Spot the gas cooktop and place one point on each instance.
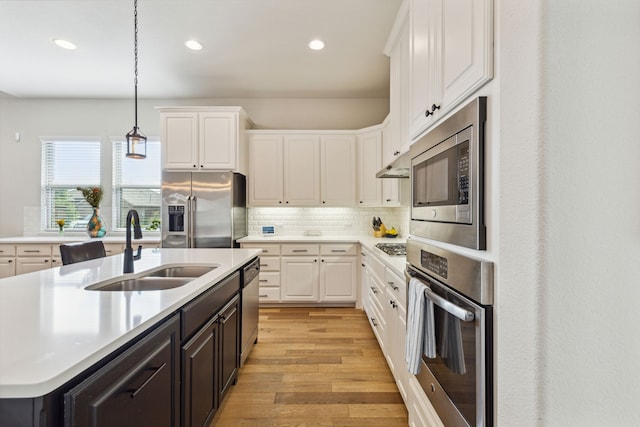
(399, 249)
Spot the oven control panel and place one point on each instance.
(434, 263)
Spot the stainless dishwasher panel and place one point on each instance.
(250, 297)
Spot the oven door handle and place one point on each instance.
(449, 307)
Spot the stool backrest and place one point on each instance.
(83, 251)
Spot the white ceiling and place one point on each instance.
(252, 48)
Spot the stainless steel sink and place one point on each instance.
(169, 277)
(141, 284)
(181, 271)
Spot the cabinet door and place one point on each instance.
(338, 170)
(338, 279)
(31, 264)
(179, 140)
(466, 48)
(266, 170)
(301, 170)
(138, 388)
(369, 163)
(423, 55)
(299, 278)
(229, 321)
(7, 267)
(199, 397)
(218, 140)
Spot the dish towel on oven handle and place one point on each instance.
(420, 337)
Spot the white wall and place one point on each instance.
(20, 161)
(569, 249)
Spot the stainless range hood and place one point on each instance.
(399, 168)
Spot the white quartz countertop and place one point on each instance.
(52, 329)
(55, 238)
(396, 263)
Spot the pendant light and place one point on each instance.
(136, 141)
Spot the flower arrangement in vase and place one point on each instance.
(93, 195)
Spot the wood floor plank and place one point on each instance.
(313, 367)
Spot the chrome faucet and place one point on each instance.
(137, 234)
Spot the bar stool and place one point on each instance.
(83, 251)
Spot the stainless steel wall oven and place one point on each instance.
(457, 375)
(447, 179)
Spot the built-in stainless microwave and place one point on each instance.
(447, 179)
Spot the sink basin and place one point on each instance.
(181, 271)
(166, 277)
(141, 284)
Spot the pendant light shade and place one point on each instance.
(136, 141)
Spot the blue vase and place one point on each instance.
(96, 226)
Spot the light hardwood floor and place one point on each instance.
(313, 367)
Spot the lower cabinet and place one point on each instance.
(211, 355)
(299, 278)
(139, 387)
(200, 377)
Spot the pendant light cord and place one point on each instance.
(135, 55)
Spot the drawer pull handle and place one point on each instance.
(374, 290)
(264, 265)
(373, 321)
(263, 280)
(134, 392)
(300, 250)
(338, 250)
(32, 251)
(264, 296)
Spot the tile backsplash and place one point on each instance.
(329, 221)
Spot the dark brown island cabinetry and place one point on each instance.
(137, 388)
(175, 375)
(211, 355)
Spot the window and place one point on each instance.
(136, 185)
(66, 164)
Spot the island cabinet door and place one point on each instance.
(138, 388)
(229, 345)
(199, 397)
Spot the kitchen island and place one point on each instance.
(53, 330)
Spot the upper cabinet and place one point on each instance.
(204, 138)
(369, 156)
(301, 170)
(451, 56)
(337, 170)
(396, 139)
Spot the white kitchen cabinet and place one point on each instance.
(338, 272)
(300, 278)
(369, 163)
(114, 248)
(266, 167)
(7, 260)
(301, 170)
(421, 412)
(396, 140)
(35, 257)
(269, 277)
(451, 56)
(338, 170)
(204, 138)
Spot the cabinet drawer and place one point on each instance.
(33, 250)
(269, 294)
(269, 278)
(7, 250)
(300, 249)
(397, 286)
(377, 267)
(339, 249)
(113, 248)
(197, 312)
(269, 263)
(267, 249)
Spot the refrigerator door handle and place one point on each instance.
(192, 221)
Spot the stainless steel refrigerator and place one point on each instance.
(203, 209)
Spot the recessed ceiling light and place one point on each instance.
(64, 44)
(316, 44)
(193, 45)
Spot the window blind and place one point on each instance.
(67, 164)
